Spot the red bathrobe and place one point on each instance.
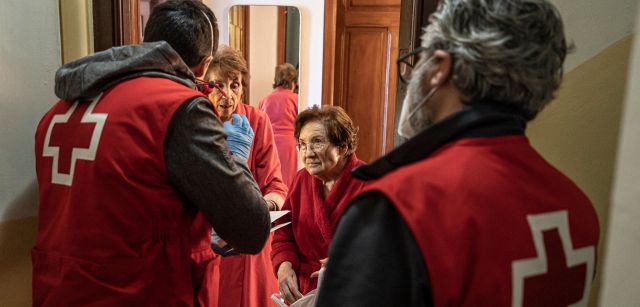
(313, 221)
(247, 280)
(281, 106)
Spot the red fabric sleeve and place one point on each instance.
(266, 169)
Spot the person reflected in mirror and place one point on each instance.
(246, 280)
(467, 212)
(281, 105)
(326, 140)
(117, 225)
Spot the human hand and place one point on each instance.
(239, 136)
(274, 201)
(323, 264)
(288, 283)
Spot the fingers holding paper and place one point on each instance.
(288, 283)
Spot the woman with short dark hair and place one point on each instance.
(326, 140)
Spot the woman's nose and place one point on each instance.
(309, 153)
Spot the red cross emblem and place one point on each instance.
(559, 275)
(71, 136)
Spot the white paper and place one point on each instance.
(280, 226)
(277, 214)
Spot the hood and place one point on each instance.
(87, 77)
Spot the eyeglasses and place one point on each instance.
(234, 87)
(406, 64)
(315, 145)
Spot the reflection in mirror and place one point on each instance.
(266, 36)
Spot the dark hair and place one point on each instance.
(340, 128)
(228, 62)
(285, 75)
(184, 26)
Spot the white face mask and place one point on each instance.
(414, 117)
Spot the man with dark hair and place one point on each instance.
(133, 169)
(466, 212)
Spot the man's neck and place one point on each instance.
(449, 102)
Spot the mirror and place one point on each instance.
(266, 36)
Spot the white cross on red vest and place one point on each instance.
(559, 275)
(72, 136)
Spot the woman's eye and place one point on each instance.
(235, 85)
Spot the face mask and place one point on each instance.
(414, 117)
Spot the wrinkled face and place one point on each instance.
(319, 156)
(226, 102)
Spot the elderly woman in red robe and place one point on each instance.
(281, 105)
(244, 280)
(326, 141)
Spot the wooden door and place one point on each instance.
(361, 43)
(115, 23)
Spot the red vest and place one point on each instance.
(112, 229)
(497, 225)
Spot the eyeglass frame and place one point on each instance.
(403, 60)
(312, 145)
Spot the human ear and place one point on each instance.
(342, 150)
(201, 69)
(442, 66)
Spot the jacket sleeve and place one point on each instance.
(267, 171)
(201, 167)
(374, 259)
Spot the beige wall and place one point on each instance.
(76, 25)
(621, 276)
(38, 36)
(30, 54)
(578, 132)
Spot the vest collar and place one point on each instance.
(480, 120)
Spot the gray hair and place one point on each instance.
(508, 52)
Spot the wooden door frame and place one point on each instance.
(329, 54)
(115, 23)
(282, 35)
(247, 31)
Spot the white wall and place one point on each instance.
(263, 50)
(621, 281)
(593, 25)
(311, 40)
(29, 55)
